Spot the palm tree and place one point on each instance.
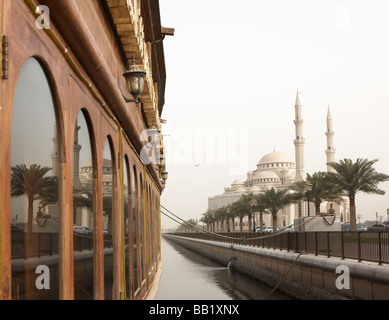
(245, 202)
(321, 191)
(356, 177)
(221, 215)
(275, 200)
(32, 183)
(208, 218)
(238, 210)
(261, 207)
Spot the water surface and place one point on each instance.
(187, 275)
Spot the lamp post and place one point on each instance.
(253, 203)
(376, 217)
(135, 79)
(308, 189)
(359, 216)
(387, 216)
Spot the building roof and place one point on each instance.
(265, 175)
(275, 157)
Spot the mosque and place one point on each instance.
(276, 169)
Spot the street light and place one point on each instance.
(308, 189)
(253, 203)
(359, 216)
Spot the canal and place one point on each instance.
(187, 275)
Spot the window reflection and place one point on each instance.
(142, 230)
(34, 188)
(83, 227)
(134, 201)
(107, 219)
(127, 228)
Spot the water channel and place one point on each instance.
(187, 275)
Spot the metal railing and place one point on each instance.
(358, 245)
(24, 245)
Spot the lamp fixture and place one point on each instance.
(135, 79)
(164, 175)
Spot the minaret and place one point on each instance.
(54, 156)
(330, 151)
(76, 160)
(299, 142)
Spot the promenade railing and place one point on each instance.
(358, 245)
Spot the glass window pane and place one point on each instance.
(135, 238)
(127, 228)
(107, 219)
(34, 188)
(143, 230)
(83, 227)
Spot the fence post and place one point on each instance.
(328, 244)
(316, 251)
(51, 244)
(296, 240)
(287, 241)
(39, 245)
(342, 243)
(379, 249)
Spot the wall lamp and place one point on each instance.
(164, 175)
(135, 79)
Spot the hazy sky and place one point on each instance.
(233, 69)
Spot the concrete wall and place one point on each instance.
(301, 276)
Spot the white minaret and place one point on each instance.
(54, 156)
(299, 142)
(330, 151)
(76, 160)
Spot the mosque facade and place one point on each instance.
(278, 170)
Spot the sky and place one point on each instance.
(233, 71)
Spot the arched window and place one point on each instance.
(108, 217)
(143, 229)
(127, 227)
(83, 214)
(135, 226)
(35, 207)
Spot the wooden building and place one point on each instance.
(82, 167)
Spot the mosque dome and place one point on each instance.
(238, 182)
(265, 176)
(275, 157)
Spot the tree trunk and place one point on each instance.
(30, 214)
(353, 215)
(317, 209)
(250, 223)
(274, 222)
(241, 224)
(260, 222)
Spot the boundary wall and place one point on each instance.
(300, 276)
